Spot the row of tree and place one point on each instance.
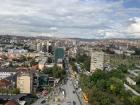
(9, 91)
(55, 71)
(83, 60)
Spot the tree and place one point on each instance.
(16, 91)
(97, 75)
(98, 97)
(135, 100)
(115, 85)
(85, 60)
(122, 68)
(138, 79)
(74, 67)
(55, 71)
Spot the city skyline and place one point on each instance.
(90, 19)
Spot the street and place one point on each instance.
(64, 94)
(67, 99)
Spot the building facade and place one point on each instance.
(97, 61)
(25, 82)
(59, 54)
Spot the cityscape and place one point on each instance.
(70, 52)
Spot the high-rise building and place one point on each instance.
(59, 54)
(39, 47)
(25, 82)
(97, 60)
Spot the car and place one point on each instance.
(42, 102)
(73, 91)
(74, 103)
(76, 88)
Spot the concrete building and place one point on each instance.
(59, 54)
(12, 102)
(97, 60)
(25, 82)
(6, 72)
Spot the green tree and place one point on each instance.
(138, 80)
(122, 68)
(135, 100)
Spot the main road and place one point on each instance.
(70, 96)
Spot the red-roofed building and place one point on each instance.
(4, 83)
(12, 102)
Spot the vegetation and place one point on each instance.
(106, 88)
(137, 51)
(74, 67)
(55, 71)
(26, 61)
(85, 60)
(126, 60)
(9, 91)
(138, 79)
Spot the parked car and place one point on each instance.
(42, 102)
(74, 103)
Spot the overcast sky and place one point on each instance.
(71, 18)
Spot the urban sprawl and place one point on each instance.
(69, 71)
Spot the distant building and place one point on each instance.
(25, 82)
(59, 55)
(38, 47)
(6, 72)
(50, 47)
(97, 60)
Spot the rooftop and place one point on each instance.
(4, 83)
(12, 102)
(8, 70)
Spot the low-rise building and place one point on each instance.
(5, 83)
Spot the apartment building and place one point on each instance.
(25, 82)
(97, 60)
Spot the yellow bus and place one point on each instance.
(85, 97)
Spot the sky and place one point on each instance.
(97, 19)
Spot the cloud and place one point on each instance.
(134, 26)
(68, 18)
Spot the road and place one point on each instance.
(132, 90)
(38, 102)
(70, 96)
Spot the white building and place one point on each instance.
(97, 60)
(39, 47)
(6, 72)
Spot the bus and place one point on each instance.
(85, 97)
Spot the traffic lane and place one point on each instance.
(70, 96)
(38, 102)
